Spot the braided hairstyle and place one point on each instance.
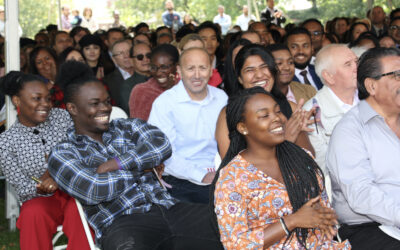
(14, 81)
(299, 170)
(265, 55)
(72, 76)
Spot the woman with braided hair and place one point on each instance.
(268, 192)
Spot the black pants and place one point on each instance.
(186, 191)
(367, 236)
(183, 226)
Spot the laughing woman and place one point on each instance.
(269, 193)
(23, 157)
(255, 66)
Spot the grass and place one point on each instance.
(8, 240)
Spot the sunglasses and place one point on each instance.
(140, 57)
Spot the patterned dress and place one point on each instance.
(23, 151)
(247, 201)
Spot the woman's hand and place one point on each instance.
(313, 215)
(47, 186)
(294, 125)
(100, 73)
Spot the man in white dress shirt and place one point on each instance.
(223, 20)
(187, 113)
(363, 156)
(244, 19)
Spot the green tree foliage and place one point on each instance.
(35, 15)
(325, 10)
(136, 11)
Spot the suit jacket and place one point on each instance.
(314, 76)
(126, 89)
(375, 32)
(267, 17)
(304, 91)
(114, 81)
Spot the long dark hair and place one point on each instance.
(34, 53)
(265, 55)
(299, 170)
(229, 69)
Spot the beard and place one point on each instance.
(302, 65)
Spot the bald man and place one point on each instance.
(187, 113)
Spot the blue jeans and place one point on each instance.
(183, 226)
(186, 191)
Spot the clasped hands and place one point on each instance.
(314, 215)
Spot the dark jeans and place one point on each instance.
(367, 236)
(183, 226)
(186, 191)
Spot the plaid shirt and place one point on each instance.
(138, 146)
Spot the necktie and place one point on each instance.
(304, 74)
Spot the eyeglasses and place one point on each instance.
(163, 67)
(121, 53)
(394, 27)
(140, 57)
(396, 74)
(316, 33)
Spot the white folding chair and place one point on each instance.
(56, 237)
(86, 226)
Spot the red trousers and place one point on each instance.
(40, 217)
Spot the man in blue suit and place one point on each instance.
(299, 42)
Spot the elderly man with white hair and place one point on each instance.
(336, 65)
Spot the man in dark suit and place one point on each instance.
(123, 69)
(299, 42)
(272, 15)
(378, 26)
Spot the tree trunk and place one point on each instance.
(314, 4)
(390, 4)
(256, 12)
(370, 4)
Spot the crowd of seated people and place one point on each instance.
(267, 138)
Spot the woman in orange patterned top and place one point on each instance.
(269, 193)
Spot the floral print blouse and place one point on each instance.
(247, 201)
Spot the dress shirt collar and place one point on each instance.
(309, 76)
(290, 96)
(125, 74)
(24, 129)
(84, 139)
(344, 106)
(183, 95)
(334, 106)
(366, 111)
